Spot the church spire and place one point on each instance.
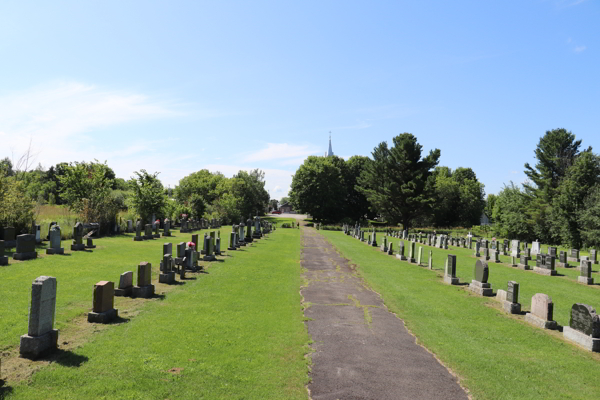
(330, 151)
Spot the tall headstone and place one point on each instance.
(584, 327)
(55, 241)
(420, 255)
(3, 258)
(144, 288)
(480, 284)
(167, 228)
(535, 248)
(41, 337)
(138, 232)
(430, 260)
(129, 226)
(542, 310)
(510, 298)
(411, 252)
(450, 270)
(25, 247)
(400, 254)
(573, 255)
(168, 275)
(103, 310)
(594, 256)
(562, 260)
(148, 235)
(524, 262)
(374, 238)
(78, 237)
(384, 244)
(515, 248)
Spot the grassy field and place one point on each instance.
(497, 356)
(235, 331)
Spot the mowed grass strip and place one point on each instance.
(497, 356)
(236, 332)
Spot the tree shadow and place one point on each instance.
(202, 271)
(191, 278)
(5, 391)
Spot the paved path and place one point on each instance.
(362, 351)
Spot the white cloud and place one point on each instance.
(278, 151)
(579, 49)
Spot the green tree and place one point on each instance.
(356, 205)
(249, 188)
(16, 209)
(509, 214)
(318, 189)
(148, 195)
(395, 181)
(589, 218)
(569, 198)
(489, 205)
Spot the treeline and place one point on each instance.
(92, 190)
(398, 184)
(560, 202)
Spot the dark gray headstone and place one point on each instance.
(451, 265)
(552, 251)
(562, 257)
(574, 253)
(524, 259)
(481, 271)
(512, 294)
(26, 243)
(9, 234)
(586, 268)
(585, 320)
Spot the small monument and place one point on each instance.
(585, 276)
(167, 228)
(148, 235)
(144, 288)
(584, 327)
(524, 263)
(78, 237)
(41, 337)
(103, 310)
(25, 248)
(168, 275)
(542, 310)
(138, 232)
(55, 241)
(411, 252)
(400, 254)
(544, 265)
(480, 284)
(510, 298)
(125, 284)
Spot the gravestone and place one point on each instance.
(584, 327)
(585, 276)
(480, 284)
(148, 235)
(524, 262)
(77, 244)
(125, 284)
(545, 265)
(573, 255)
(3, 258)
(494, 256)
(232, 241)
(208, 255)
(41, 337)
(180, 248)
(384, 244)
(25, 248)
(486, 254)
(168, 275)
(430, 260)
(53, 223)
(552, 251)
(166, 228)
(510, 298)
(411, 252)
(477, 247)
(515, 248)
(218, 246)
(144, 288)
(390, 250)
(420, 255)
(38, 233)
(55, 241)
(129, 226)
(400, 254)
(374, 238)
(138, 232)
(593, 256)
(450, 270)
(156, 230)
(541, 313)
(103, 310)
(562, 260)
(90, 244)
(535, 248)
(242, 235)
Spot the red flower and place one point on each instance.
(191, 245)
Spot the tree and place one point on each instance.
(86, 188)
(16, 209)
(510, 214)
(570, 195)
(356, 205)
(249, 188)
(318, 189)
(489, 205)
(589, 218)
(148, 195)
(395, 181)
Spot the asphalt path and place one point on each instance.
(362, 351)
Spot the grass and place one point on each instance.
(234, 332)
(497, 356)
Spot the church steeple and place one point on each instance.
(330, 151)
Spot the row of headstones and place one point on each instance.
(151, 231)
(25, 244)
(584, 324)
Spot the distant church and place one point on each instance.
(330, 151)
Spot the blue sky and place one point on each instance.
(179, 86)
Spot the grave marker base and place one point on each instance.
(401, 257)
(34, 346)
(167, 278)
(540, 323)
(123, 292)
(232, 248)
(103, 317)
(482, 289)
(209, 258)
(77, 247)
(511, 308)
(25, 256)
(582, 340)
(585, 280)
(572, 259)
(55, 251)
(138, 238)
(544, 271)
(143, 291)
(3, 260)
(524, 267)
(451, 281)
(563, 265)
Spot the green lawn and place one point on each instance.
(234, 332)
(496, 355)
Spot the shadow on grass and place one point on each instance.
(67, 358)
(4, 390)
(203, 272)
(176, 283)
(191, 278)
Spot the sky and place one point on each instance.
(178, 86)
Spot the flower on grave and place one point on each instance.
(157, 222)
(191, 245)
